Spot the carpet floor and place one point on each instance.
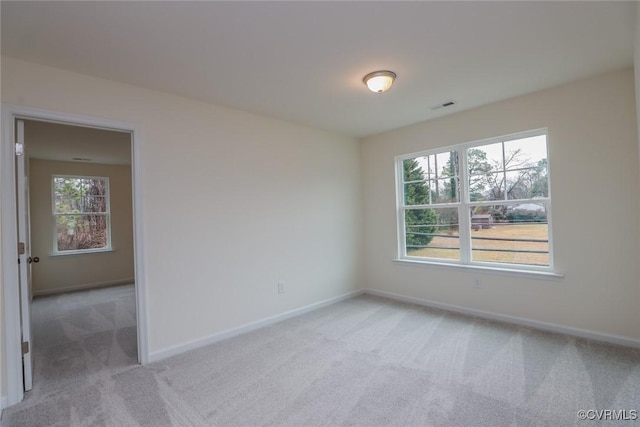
(366, 361)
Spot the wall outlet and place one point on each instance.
(281, 288)
(476, 283)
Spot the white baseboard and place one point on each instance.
(535, 324)
(229, 333)
(125, 281)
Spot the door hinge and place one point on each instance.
(21, 248)
(25, 347)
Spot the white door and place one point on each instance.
(24, 252)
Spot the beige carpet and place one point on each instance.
(366, 361)
(80, 335)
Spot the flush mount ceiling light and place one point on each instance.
(379, 81)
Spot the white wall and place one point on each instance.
(233, 203)
(595, 195)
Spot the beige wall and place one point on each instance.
(593, 152)
(637, 85)
(3, 359)
(231, 202)
(59, 273)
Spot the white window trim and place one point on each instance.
(81, 252)
(465, 204)
(57, 252)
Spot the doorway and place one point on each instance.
(81, 243)
(56, 248)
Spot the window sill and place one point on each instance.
(82, 252)
(535, 274)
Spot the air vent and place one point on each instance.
(443, 105)
(81, 159)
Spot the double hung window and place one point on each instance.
(81, 214)
(483, 203)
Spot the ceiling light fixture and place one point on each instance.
(379, 81)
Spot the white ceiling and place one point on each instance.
(304, 61)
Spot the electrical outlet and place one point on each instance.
(476, 283)
(281, 288)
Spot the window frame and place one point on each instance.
(464, 206)
(54, 215)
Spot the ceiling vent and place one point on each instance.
(443, 105)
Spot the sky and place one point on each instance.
(534, 148)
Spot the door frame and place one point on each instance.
(24, 259)
(9, 231)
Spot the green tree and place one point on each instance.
(539, 186)
(478, 169)
(420, 223)
(80, 205)
(451, 170)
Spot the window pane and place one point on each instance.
(494, 187)
(445, 190)
(75, 232)
(478, 166)
(522, 174)
(432, 233)
(431, 179)
(517, 184)
(64, 204)
(77, 195)
(415, 169)
(485, 172)
(485, 158)
(93, 203)
(514, 234)
(527, 184)
(430, 192)
(479, 172)
(447, 183)
(526, 165)
(416, 193)
(525, 152)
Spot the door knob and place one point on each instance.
(36, 259)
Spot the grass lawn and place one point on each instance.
(490, 250)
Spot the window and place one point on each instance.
(485, 203)
(81, 214)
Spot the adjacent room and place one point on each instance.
(319, 213)
(83, 311)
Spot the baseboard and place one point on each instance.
(534, 324)
(229, 333)
(76, 288)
